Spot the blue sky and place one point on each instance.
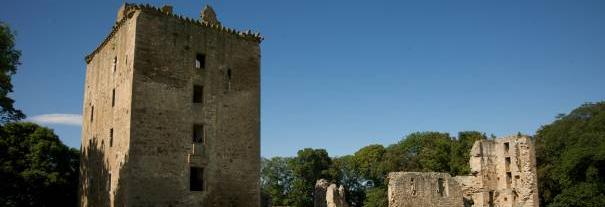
(340, 75)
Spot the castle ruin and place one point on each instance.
(503, 174)
(171, 113)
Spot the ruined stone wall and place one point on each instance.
(328, 194)
(106, 125)
(430, 189)
(503, 174)
(153, 116)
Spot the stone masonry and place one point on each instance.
(503, 174)
(171, 113)
(408, 189)
(328, 194)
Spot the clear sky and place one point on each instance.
(343, 74)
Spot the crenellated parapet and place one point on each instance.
(207, 20)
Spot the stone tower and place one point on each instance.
(171, 113)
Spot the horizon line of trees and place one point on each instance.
(570, 155)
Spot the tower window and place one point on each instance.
(506, 146)
(200, 60)
(110, 137)
(198, 94)
(114, 64)
(509, 179)
(198, 133)
(109, 181)
(196, 179)
(92, 113)
(490, 201)
(113, 97)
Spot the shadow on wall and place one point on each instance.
(96, 188)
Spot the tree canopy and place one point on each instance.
(36, 169)
(9, 60)
(570, 154)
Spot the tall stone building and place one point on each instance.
(171, 113)
(503, 174)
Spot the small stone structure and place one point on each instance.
(329, 195)
(503, 173)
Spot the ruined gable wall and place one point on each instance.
(504, 173)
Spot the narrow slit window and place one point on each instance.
(198, 133)
(196, 179)
(490, 202)
(92, 113)
(200, 61)
(509, 179)
(198, 94)
(111, 137)
(114, 64)
(113, 97)
(109, 181)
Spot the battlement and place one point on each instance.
(127, 11)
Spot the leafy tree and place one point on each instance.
(376, 197)
(461, 152)
(369, 163)
(347, 174)
(276, 180)
(36, 169)
(9, 60)
(431, 150)
(308, 166)
(570, 154)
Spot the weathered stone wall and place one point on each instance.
(428, 189)
(328, 194)
(503, 173)
(103, 161)
(154, 114)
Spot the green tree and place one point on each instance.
(9, 60)
(369, 163)
(570, 153)
(276, 180)
(308, 166)
(36, 169)
(431, 151)
(461, 149)
(376, 197)
(346, 173)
